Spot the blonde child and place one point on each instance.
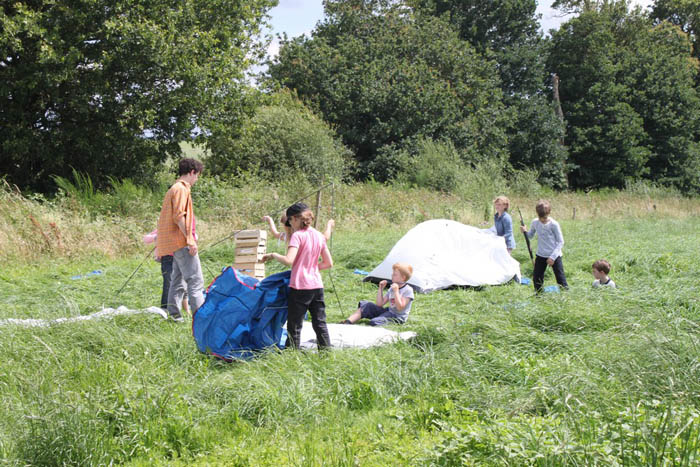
(502, 222)
(284, 236)
(549, 246)
(399, 297)
(600, 270)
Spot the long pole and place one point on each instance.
(527, 239)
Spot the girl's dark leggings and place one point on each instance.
(298, 303)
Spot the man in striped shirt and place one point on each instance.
(176, 237)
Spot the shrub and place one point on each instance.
(436, 165)
(284, 136)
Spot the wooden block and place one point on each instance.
(242, 259)
(250, 242)
(255, 270)
(261, 234)
(250, 250)
(250, 266)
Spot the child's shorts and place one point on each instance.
(379, 316)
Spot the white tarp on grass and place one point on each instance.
(445, 253)
(105, 313)
(342, 335)
(353, 335)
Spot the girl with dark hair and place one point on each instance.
(306, 245)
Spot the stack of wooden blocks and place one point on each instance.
(250, 248)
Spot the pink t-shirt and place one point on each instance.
(305, 274)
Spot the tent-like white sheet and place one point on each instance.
(445, 253)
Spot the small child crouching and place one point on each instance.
(601, 269)
(399, 296)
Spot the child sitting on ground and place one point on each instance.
(549, 244)
(601, 269)
(399, 297)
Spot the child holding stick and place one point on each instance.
(549, 246)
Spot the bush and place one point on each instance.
(282, 137)
(123, 198)
(436, 165)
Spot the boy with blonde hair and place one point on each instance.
(399, 296)
(549, 246)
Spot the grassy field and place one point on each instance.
(495, 376)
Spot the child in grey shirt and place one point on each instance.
(550, 241)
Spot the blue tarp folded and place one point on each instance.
(241, 315)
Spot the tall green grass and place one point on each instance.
(494, 377)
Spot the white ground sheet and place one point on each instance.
(342, 335)
(353, 335)
(104, 313)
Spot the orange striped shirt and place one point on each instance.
(177, 205)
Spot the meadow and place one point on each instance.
(495, 376)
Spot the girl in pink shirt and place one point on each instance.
(306, 245)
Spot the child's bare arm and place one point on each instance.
(326, 259)
(271, 225)
(381, 300)
(329, 229)
(287, 260)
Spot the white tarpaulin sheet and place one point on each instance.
(342, 335)
(445, 253)
(105, 313)
(353, 335)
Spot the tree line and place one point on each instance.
(381, 88)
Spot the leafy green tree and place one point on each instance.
(494, 25)
(628, 97)
(665, 97)
(284, 138)
(684, 14)
(382, 76)
(111, 87)
(534, 140)
(507, 31)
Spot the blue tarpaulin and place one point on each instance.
(241, 315)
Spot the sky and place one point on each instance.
(297, 17)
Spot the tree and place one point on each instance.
(628, 97)
(282, 139)
(534, 140)
(507, 31)
(683, 13)
(494, 25)
(665, 97)
(381, 76)
(111, 87)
